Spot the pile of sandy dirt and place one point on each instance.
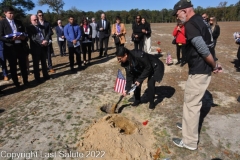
(119, 138)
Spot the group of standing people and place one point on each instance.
(141, 35)
(180, 38)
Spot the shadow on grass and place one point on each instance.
(207, 104)
(236, 63)
(161, 92)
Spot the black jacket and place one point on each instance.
(87, 36)
(48, 30)
(137, 30)
(6, 29)
(216, 32)
(142, 65)
(147, 27)
(35, 39)
(106, 32)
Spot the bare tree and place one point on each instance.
(55, 5)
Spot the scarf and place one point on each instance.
(118, 28)
(85, 28)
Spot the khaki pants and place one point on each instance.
(195, 89)
(147, 44)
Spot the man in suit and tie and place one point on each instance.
(103, 26)
(48, 30)
(60, 38)
(94, 34)
(38, 43)
(14, 47)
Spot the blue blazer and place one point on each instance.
(59, 32)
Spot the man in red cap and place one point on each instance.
(201, 64)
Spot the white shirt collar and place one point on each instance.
(9, 20)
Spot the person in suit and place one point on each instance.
(137, 35)
(103, 26)
(48, 30)
(94, 34)
(72, 33)
(147, 36)
(119, 31)
(86, 30)
(39, 40)
(60, 38)
(139, 66)
(14, 47)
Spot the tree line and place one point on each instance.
(222, 12)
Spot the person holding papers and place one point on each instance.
(72, 33)
(39, 40)
(60, 38)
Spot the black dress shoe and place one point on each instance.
(151, 106)
(136, 103)
(105, 55)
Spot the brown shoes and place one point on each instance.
(51, 71)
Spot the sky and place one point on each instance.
(105, 5)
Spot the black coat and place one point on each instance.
(216, 32)
(6, 29)
(106, 32)
(137, 30)
(147, 27)
(35, 39)
(87, 36)
(48, 30)
(142, 65)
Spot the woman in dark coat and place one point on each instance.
(86, 39)
(215, 33)
(139, 66)
(137, 35)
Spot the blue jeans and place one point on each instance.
(3, 63)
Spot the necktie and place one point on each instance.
(14, 30)
(103, 24)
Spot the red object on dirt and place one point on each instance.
(159, 50)
(158, 42)
(145, 123)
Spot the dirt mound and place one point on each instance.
(119, 138)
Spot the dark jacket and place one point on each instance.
(6, 29)
(142, 65)
(106, 32)
(196, 63)
(48, 30)
(137, 30)
(216, 32)
(35, 39)
(59, 32)
(85, 36)
(147, 27)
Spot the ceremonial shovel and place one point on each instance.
(111, 108)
